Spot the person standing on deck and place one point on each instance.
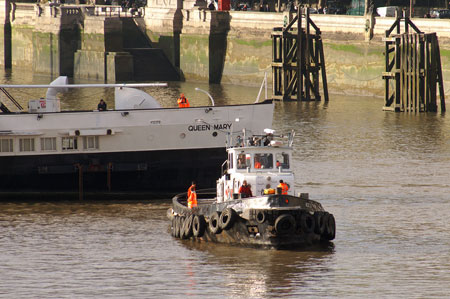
(183, 102)
(192, 196)
(284, 187)
(245, 190)
(101, 106)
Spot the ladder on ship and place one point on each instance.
(297, 60)
(413, 67)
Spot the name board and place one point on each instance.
(208, 127)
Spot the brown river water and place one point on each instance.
(385, 177)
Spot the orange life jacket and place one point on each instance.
(183, 103)
(284, 188)
(192, 200)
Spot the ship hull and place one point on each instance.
(282, 222)
(133, 150)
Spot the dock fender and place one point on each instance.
(173, 226)
(320, 224)
(214, 226)
(285, 224)
(331, 228)
(177, 226)
(182, 228)
(307, 222)
(198, 226)
(188, 226)
(227, 218)
(260, 216)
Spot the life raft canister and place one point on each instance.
(269, 191)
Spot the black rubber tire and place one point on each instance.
(331, 228)
(173, 225)
(177, 226)
(285, 224)
(319, 226)
(227, 218)
(213, 225)
(182, 222)
(198, 226)
(188, 226)
(307, 222)
(260, 217)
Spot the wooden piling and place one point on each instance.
(412, 60)
(297, 60)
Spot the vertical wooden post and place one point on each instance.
(299, 55)
(307, 58)
(80, 180)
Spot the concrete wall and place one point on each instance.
(228, 47)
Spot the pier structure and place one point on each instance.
(413, 68)
(298, 60)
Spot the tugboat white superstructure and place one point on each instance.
(270, 216)
(138, 146)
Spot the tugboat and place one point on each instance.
(270, 216)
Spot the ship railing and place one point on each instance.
(204, 197)
(118, 11)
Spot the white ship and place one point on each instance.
(138, 146)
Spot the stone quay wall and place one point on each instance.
(227, 47)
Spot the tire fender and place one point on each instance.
(214, 226)
(227, 218)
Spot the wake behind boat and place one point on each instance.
(137, 146)
(254, 203)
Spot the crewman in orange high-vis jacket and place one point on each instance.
(284, 187)
(192, 196)
(183, 102)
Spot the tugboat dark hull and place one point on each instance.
(286, 222)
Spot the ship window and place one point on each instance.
(48, 144)
(263, 161)
(283, 160)
(243, 161)
(69, 143)
(26, 144)
(6, 145)
(90, 142)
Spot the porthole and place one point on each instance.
(214, 134)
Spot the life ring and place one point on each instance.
(331, 228)
(198, 226)
(227, 218)
(285, 224)
(214, 226)
(188, 227)
(260, 217)
(307, 222)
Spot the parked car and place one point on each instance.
(440, 13)
(387, 11)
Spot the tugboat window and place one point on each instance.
(263, 161)
(48, 144)
(282, 160)
(6, 145)
(243, 161)
(230, 161)
(26, 144)
(69, 143)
